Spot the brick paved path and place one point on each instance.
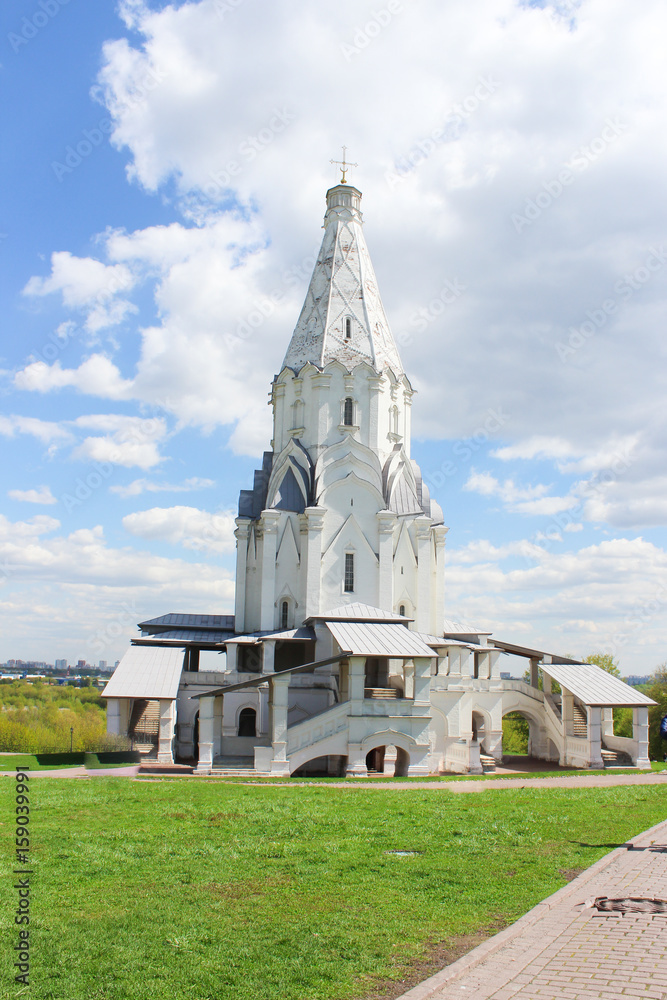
(564, 949)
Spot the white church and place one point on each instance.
(339, 658)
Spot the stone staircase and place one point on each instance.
(380, 693)
(144, 728)
(579, 723)
(234, 767)
(488, 763)
(615, 758)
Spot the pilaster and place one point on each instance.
(423, 533)
(165, 754)
(241, 534)
(268, 526)
(206, 716)
(278, 707)
(313, 519)
(386, 524)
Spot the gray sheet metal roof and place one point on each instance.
(594, 686)
(189, 635)
(146, 672)
(174, 620)
(509, 647)
(303, 632)
(463, 628)
(377, 639)
(435, 640)
(360, 613)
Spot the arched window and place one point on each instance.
(248, 722)
(348, 583)
(401, 610)
(348, 412)
(284, 614)
(348, 328)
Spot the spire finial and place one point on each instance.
(344, 166)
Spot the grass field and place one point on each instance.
(211, 891)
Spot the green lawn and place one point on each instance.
(213, 891)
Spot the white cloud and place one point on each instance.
(131, 441)
(43, 495)
(610, 596)
(139, 486)
(45, 431)
(97, 376)
(89, 285)
(187, 526)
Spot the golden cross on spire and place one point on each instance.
(343, 165)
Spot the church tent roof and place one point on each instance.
(146, 672)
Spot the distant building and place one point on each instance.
(102, 665)
(61, 664)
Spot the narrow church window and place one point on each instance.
(401, 610)
(284, 614)
(348, 412)
(348, 328)
(248, 722)
(349, 573)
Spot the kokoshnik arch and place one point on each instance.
(339, 657)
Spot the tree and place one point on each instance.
(605, 661)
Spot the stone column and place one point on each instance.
(386, 524)
(268, 525)
(268, 656)
(407, 420)
(206, 715)
(375, 384)
(118, 716)
(640, 736)
(278, 400)
(534, 672)
(241, 534)
(356, 682)
(278, 707)
(595, 736)
(440, 536)
(314, 517)
(567, 712)
(423, 530)
(165, 754)
(321, 384)
(422, 681)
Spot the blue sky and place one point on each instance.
(164, 176)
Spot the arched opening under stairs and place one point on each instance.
(391, 761)
(247, 722)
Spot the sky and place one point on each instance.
(164, 174)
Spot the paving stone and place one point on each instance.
(564, 951)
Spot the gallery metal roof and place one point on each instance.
(463, 628)
(594, 686)
(188, 635)
(435, 640)
(146, 672)
(360, 613)
(376, 639)
(173, 620)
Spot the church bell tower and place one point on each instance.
(338, 512)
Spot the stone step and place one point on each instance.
(615, 758)
(488, 763)
(235, 772)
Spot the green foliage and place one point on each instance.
(197, 890)
(37, 718)
(515, 734)
(657, 689)
(605, 661)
